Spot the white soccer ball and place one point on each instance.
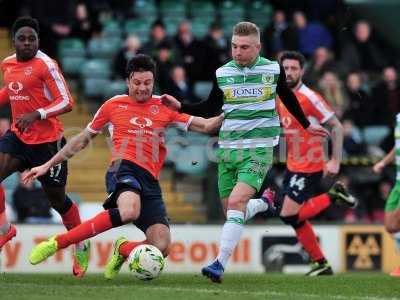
(146, 262)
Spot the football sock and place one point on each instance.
(92, 227)
(126, 248)
(230, 236)
(254, 206)
(314, 206)
(306, 236)
(71, 218)
(4, 224)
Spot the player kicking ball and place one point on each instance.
(138, 123)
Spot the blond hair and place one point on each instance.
(245, 29)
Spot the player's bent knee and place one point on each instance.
(292, 221)
(128, 214)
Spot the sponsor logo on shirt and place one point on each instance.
(247, 92)
(141, 122)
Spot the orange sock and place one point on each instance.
(314, 206)
(92, 227)
(306, 236)
(126, 248)
(71, 218)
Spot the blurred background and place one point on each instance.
(352, 60)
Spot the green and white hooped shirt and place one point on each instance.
(250, 117)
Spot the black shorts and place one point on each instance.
(33, 155)
(127, 175)
(303, 186)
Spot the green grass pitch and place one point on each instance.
(358, 286)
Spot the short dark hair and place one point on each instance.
(25, 22)
(140, 63)
(293, 55)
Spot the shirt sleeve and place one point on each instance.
(208, 108)
(4, 98)
(319, 108)
(100, 119)
(181, 120)
(289, 99)
(61, 97)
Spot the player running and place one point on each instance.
(245, 88)
(392, 207)
(303, 193)
(37, 92)
(138, 121)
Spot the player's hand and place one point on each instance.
(318, 130)
(26, 120)
(170, 102)
(34, 173)
(214, 124)
(331, 168)
(378, 167)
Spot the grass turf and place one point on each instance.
(367, 286)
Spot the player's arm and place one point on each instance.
(336, 131)
(4, 98)
(389, 158)
(210, 125)
(62, 100)
(292, 104)
(208, 108)
(72, 147)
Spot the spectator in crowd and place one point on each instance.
(279, 36)
(158, 35)
(31, 204)
(84, 26)
(130, 49)
(217, 49)
(321, 62)
(55, 22)
(332, 90)
(191, 51)
(361, 51)
(165, 60)
(387, 95)
(179, 87)
(311, 35)
(352, 140)
(360, 109)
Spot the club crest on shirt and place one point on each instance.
(267, 78)
(154, 109)
(28, 71)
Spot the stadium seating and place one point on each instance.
(104, 47)
(71, 47)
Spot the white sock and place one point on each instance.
(255, 206)
(230, 236)
(396, 237)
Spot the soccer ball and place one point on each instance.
(146, 262)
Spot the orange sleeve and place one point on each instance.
(100, 119)
(4, 99)
(61, 97)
